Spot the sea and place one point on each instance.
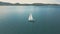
(14, 20)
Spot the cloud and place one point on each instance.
(32, 1)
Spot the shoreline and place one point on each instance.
(29, 5)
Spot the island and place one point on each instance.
(33, 4)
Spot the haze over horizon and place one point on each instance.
(33, 1)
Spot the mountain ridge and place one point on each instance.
(18, 4)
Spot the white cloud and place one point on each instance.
(32, 1)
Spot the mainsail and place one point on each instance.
(30, 18)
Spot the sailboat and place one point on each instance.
(31, 19)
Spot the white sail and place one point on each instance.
(30, 17)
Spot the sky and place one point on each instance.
(33, 1)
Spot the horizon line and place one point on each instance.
(27, 3)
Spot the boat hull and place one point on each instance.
(31, 21)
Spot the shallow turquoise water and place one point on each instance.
(14, 20)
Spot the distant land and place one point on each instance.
(33, 4)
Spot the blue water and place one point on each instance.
(14, 20)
